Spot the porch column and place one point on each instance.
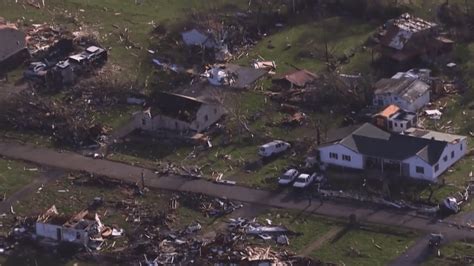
(381, 162)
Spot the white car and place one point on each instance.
(304, 180)
(272, 148)
(288, 177)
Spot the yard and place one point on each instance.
(457, 253)
(15, 175)
(335, 241)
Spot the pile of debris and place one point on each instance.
(218, 207)
(71, 124)
(44, 41)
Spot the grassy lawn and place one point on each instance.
(368, 246)
(336, 247)
(13, 176)
(454, 254)
(303, 45)
(308, 227)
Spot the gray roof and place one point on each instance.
(370, 140)
(408, 89)
(428, 134)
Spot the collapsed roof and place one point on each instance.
(298, 78)
(179, 106)
(402, 29)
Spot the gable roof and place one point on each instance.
(12, 41)
(299, 77)
(371, 141)
(178, 106)
(408, 89)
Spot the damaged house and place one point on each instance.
(296, 78)
(408, 37)
(81, 229)
(410, 94)
(13, 49)
(417, 153)
(181, 113)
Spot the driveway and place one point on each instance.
(286, 200)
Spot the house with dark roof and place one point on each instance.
(407, 93)
(393, 118)
(181, 113)
(408, 37)
(13, 50)
(420, 154)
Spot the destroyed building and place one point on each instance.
(180, 113)
(233, 76)
(417, 153)
(81, 229)
(408, 37)
(394, 119)
(410, 94)
(13, 50)
(297, 78)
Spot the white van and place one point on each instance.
(272, 148)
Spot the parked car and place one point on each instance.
(288, 177)
(272, 148)
(304, 180)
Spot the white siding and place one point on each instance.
(420, 102)
(400, 102)
(415, 161)
(458, 154)
(67, 234)
(430, 173)
(357, 160)
(213, 113)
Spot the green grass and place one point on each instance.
(13, 176)
(358, 247)
(308, 41)
(308, 227)
(453, 254)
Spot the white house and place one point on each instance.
(410, 94)
(179, 113)
(417, 153)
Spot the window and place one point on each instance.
(436, 167)
(445, 158)
(206, 118)
(346, 157)
(460, 147)
(452, 154)
(396, 124)
(420, 170)
(144, 122)
(215, 110)
(333, 155)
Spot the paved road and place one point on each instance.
(286, 200)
